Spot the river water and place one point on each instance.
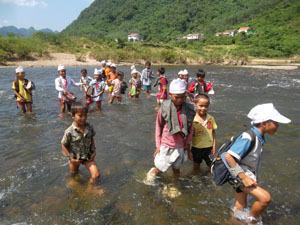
(35, 187)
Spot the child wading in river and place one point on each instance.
(23, 91)
(98, 87)
(173, 132)
(204, 133)
(78, 143)
(243, 162)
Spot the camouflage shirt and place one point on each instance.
(79, 144)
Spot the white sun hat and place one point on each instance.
(60, 67)
(134, 71)
(178, 86)
(185, 72)
(20, 69)
(132, 67)
(96, 72)
(113, 65)
(180, 72)
(265, 112)
(108, 63)
(103, 62)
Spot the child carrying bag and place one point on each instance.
(220, 172)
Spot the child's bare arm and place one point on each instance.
(213, 150)
(247, 181)
(65, 151)
(93, 149)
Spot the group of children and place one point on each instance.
(184, 129)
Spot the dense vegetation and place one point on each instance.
(101, 32)
(164, 20)
(14, 48)
(276, 23)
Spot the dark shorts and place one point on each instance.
(237, 184)
(200, 154)
(147, 87)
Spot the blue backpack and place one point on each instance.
(220, 172)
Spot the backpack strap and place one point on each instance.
(253, 141)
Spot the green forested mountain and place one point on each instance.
(169, 19)
(163, 23)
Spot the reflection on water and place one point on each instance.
(35, 187)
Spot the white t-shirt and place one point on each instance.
(146, 76)
(62, 84)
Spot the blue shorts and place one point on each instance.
(147, 87)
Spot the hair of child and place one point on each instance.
(200, 73)
(83, 70)
(161, 70)
(120, 73)
(200, 96)
(78, 107)
(147, 63)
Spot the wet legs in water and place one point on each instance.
(25, 107)
(263, 199)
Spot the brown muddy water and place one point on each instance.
(35, 187)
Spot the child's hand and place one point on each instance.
(156, 152)
(93, 156)
(213, 151)
(190, 155)
(248, 182)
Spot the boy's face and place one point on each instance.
(270, 127)
(202, 106)
(83, 74)
(148, 66)
(80, 118)
(178, 99)
(21, 76)
(62, 73)
(200, 78)
(185, 77)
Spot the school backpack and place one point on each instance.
(220, 172)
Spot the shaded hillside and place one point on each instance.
(164, 19)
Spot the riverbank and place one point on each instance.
(68, 59)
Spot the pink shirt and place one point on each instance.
(163, 136)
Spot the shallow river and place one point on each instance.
(35, 187)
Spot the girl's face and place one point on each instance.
(83, 74)
(80, 118)
(178, 99)
(202, 106)
(96, 76)
(270, 127)
(134, 75)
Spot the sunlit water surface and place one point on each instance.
(35, 187)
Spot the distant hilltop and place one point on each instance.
(24, 32)
(170, 20)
